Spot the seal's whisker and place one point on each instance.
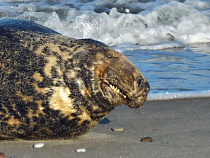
(112, 69)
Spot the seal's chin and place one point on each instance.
(137, 102)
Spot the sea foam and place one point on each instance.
(179, 95)
(153, 25)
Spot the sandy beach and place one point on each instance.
(168, 41)
(179, 129)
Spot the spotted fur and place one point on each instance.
(52, 86)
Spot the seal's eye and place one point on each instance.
(109, 55)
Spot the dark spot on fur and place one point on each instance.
(46, 50)
(62, 49)
(85, 123)
(74, 114)
(54, 73)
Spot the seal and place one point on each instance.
(52, 86)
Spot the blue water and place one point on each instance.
(175, 70)
(167, 40)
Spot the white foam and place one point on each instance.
(179, 95)
(132, 47)
(186, 22)
(199, 4)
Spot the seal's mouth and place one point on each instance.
(116, 90)
(118, 96)
(113, 93)
(119, 92)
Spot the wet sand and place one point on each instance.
(179, 129)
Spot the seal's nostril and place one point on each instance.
(147, 86)
(142, 83)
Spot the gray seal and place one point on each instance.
(56, 87)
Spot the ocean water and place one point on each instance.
(168, 40)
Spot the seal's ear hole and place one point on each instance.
(108, 55)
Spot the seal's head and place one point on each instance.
(118, 80)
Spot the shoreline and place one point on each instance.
(178, 95)
(179, 128)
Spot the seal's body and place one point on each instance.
(52, 86)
